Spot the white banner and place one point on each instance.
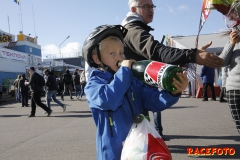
(11, 54)
(58, 63)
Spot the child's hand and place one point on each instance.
(127, 63)
(180, 86)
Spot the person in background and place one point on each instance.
(16, 88)
(67, 81)
(224, 75)
(139, 43)
(51, 90)
(187, 92)
(76, 83)
(114, 95)
(207, 74)
(191, 74)
(1, 92)
(60, 85)
(83, 83)
(23, 90)
(36, 89)
(231, 57)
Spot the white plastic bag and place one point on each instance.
(144, 143)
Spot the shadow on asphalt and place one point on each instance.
(79, 111)
(10, 116)
(180, 149)
(8, 107)
(235, 138)
(80, 116)
(64, 116)
(181, 107)
(9, 103)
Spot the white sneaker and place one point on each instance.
(45, 112)
(64, 107)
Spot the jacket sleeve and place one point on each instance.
(33, 82)
(15, 82)
(20, 84)
(106, 95)
(48, 81)
(227, 53)
(153, 99)
(144, 44)
(32, 79)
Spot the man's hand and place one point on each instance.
(207, 59)
(234, 37)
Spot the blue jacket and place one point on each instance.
(113, 100)
(207, 74)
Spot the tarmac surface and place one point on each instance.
(188, 125)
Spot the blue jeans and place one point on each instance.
(52, 94)
(17, 95)
(78, 90)
(82, 89)
(157, 119)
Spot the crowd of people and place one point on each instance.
(49, 86)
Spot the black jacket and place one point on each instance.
(67, 76)
(34, 83)
(21, 85)
(51, 82)
(139, 44)
(76, 78)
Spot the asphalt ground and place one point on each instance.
(205, 130)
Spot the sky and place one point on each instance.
(52, 21)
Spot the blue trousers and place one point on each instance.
(157, 119)
(52, 94)
(78, 90)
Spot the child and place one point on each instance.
(114, 95)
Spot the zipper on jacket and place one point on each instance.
(109, 114)
(110, 123)
(132, 96)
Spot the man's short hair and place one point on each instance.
(133, 3)
(32, 68)
(47, 71)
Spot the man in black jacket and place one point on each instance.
(23, 90)
(67, 81)
(76, 83)
(51, 89)
(36, 89)
(141, 45)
